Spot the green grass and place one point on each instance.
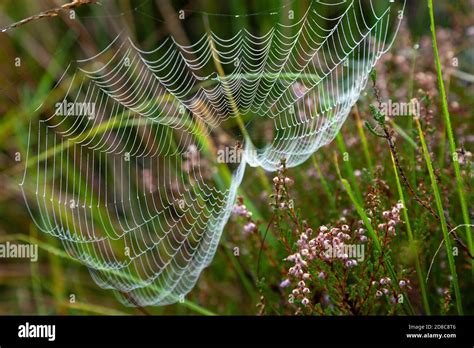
(444, 227)
(449, 130)
(56, 252)
(413, 243)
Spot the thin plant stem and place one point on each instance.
(324, 183)
(363, 138)
(442, 218)
(411, 240)
(49, 13)
(348, 167)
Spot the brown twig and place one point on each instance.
(49, 13)
(262, 246)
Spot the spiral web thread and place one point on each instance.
(130, 186)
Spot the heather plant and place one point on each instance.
(334, 269)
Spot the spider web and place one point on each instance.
(124, 171)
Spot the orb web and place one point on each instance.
(125, 172)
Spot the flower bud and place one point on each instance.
(285, 283)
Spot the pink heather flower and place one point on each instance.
(241, 210)
(238, 210)
(351, 263)
(322, 275)
(305, 301)
(402, 283)
(250, 227)
(285, 283)
(378, 293)
(363, 238)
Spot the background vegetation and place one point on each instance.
(353, 179)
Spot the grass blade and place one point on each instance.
(444, 226)
(413, 246)
(449, 131)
